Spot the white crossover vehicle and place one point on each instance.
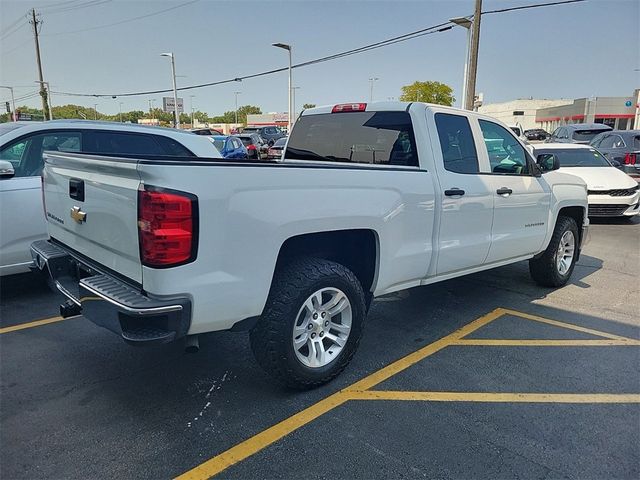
(368, 199)
(21, 147)
(611, 192)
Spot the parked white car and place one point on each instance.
(612, 193)
(368, 200)
(21, 147)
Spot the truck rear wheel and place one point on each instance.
(312, 323)
(554, 267)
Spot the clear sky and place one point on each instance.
(571, 51)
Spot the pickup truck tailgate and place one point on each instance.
(91, 207)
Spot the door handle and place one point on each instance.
(454, 192)
(504, 191)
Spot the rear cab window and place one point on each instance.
(374, 138)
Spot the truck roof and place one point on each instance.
(389, 106)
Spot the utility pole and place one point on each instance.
(191, 98)
(175, 89)
(95, 111)
(473, 58)
(43, 93)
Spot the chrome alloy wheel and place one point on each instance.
(322, 327)
(566, 250)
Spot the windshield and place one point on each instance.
(246, 141)
(576, 157)
(219, 143)
(585, 135)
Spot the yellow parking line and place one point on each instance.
(265, 438)
(497, 397)
(569, 326)
(37, 323)
(544, 343)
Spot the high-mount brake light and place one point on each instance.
(167, 227)
(349, 107)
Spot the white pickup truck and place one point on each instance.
(367, 200)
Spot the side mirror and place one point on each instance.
(548, 162)
(6, 169)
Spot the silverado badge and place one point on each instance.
(78, 215)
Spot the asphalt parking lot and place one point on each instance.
(484, 376)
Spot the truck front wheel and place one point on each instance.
(312, 323)
(554, 267)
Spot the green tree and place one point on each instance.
(308, 105)
(429, 92)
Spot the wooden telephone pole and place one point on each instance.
(473, 58)
(35, 21)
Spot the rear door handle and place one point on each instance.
(504, 191)
(454, 192)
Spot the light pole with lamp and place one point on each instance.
(13, 104)
(465, 22)
(95, 111)
(120, 103)
(371, 80)
(293, 91)
(288, 48)
(236, 110)
(175, 90)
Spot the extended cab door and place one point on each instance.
(521, 200)
(467, 198)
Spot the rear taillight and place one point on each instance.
(630, 159)
(167, 227)
(251, 147)
(349, 107)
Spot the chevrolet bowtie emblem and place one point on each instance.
(78, 215)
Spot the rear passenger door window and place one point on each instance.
(456, 143)
(506, 154)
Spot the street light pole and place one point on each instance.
(236, 110)
(191, 98)
(465, 22)
(371, 80)
(13, 104)
(293, 90)
(175, 90)
(288, 48)
(95, 111)
(121, 112)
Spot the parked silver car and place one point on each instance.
(22, 145)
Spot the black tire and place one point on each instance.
(544, 269)
(271, 338)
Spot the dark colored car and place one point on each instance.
(268, 134)
(230, 146)
(275, 150)
(577, 133)
(622, 148)
(254, 144)
(206, 131)
(536, 134)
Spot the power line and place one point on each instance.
(140, 17)
(441, 27)
(91, 3)
(13, 28)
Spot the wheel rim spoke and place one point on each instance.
(322, 329)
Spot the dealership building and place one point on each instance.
(622, 113)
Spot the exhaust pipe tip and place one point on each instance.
(192, 344)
